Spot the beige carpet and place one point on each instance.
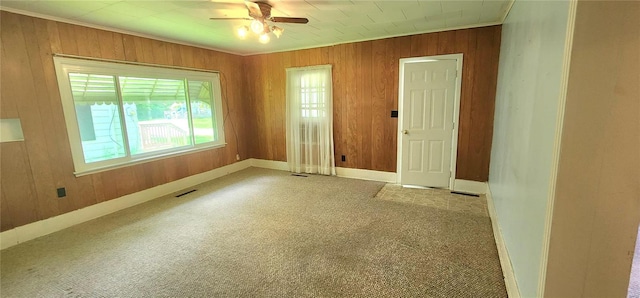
(263, 233)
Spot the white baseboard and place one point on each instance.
(340, 172)
(361, 174)
(270, 164)
(505, 261)
(469, 186)
(44, 227)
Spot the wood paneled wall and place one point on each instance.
(365, 82)
(30, 171)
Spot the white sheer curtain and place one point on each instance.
(310, 120)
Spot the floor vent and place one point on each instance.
(299, 175)
(465, 194)
(185, 193)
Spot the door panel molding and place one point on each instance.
(456, 108)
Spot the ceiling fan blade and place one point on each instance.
(290, 20)
(254, 9)
(229, 19)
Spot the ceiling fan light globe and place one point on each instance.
(257, 27)
(243, 31)
(264, 38)
(277, 31)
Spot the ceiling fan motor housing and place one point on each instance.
(264, 12)
(265, 8)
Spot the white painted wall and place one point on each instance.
(528, 93)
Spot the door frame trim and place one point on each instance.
(456, 110)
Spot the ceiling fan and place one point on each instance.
(259, 14)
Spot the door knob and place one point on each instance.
(406, 132)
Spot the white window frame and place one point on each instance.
(66, 65)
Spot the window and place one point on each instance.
(310, 120)
(312, 95)
(118, 114)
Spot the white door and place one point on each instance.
(427, 122)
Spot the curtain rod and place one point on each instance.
(135, 63)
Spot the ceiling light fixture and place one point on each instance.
(260, 28)
(259, 14)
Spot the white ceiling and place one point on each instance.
(330, 21)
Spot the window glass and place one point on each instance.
(312, 89)
(96, 104)
(204, 127)
(155, 112)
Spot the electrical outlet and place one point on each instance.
(237, 156)
(62, 192)
(344, 158)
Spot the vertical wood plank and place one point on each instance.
(181, 166)
(446, 42)
(469, 72)
(128, 44)
(125, 181)
(5, 213)
(21, 78)
(68, 41)
(142, 180)
(400, 48)
(278, 86)
(391, 65)
(54, 36)
(379, 123)
(353, 145)
(338, 104)
(47, 199)
(492, 57)
(77, 194)
(98, 188)
(109, 180)
(87, 41)
(17, 185)
(366, 108)
(62, 163)
(107, 44)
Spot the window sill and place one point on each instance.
(147, 159)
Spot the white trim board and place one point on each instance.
(389, 177)
(50, 225)
(469, 186)
(270, 164)
(361, 174)
(503, 254)
(546, 240)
